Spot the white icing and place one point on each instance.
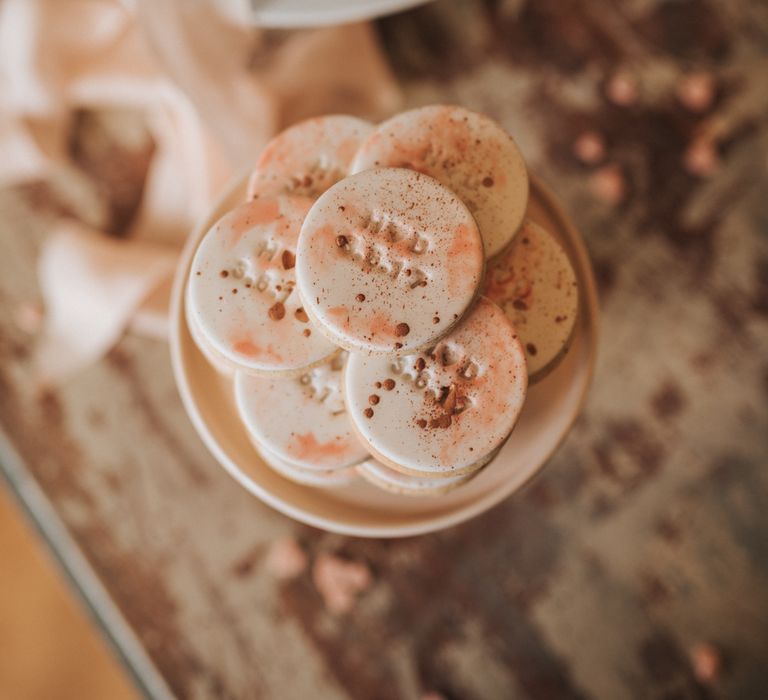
(535, 284)
(242, 289)
(450, 407)
(468, 153)
(221, 365)
(301, 420)
(388, 261)
(319, 479)
(309, 157)
(392, 480)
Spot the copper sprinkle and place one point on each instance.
(276, 311)
(288, 259)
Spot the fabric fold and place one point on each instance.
(91, 284)
(60, 56)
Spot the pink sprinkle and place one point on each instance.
(286, 559)
(707, 662)
(589, 147)
(696, 91)
(608, 184)
(701, 157)
(339, 582)
(622, 89)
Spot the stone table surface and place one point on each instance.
(646, 535)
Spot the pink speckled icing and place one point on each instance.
(301, 419)
(242, 289)
(446, 410)
(388, 261)
(468, 153)
(309, 157)
(535, 284)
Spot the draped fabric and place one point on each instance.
(61, 56)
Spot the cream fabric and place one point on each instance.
(57, 56)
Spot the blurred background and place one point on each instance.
(634, 566)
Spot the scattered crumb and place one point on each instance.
(339, 582)
(696, 91)
(589, 147)
(622, 89)
(608, 184)
(707, 662)
(288, 260)
(286, 559)
(701, 158)
(277, 311)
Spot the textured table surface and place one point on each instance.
(644, 537)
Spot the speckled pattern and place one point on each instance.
(388, 261)
(642, 538)
(465, 151)
(535, 284)
(301, 419)
(242, 289)
(448, 409)
(309, 157)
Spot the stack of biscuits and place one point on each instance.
(381, 302)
